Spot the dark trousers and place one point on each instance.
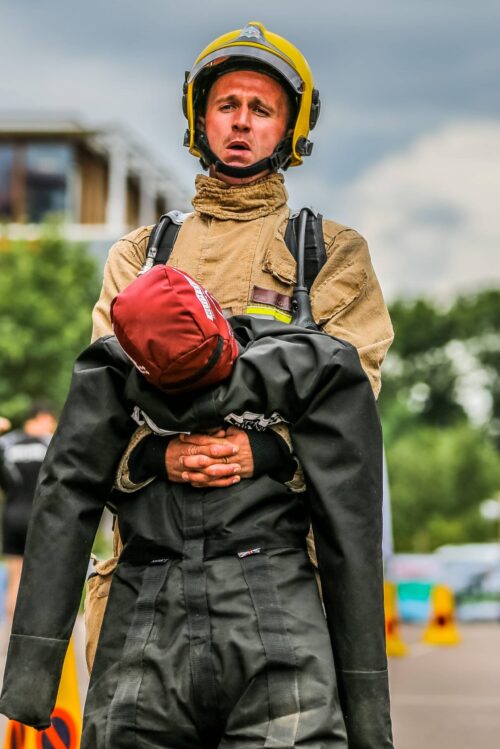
(241, 659)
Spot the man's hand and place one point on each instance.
(210, 461)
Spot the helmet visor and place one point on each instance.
(253, 53)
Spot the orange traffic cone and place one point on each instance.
(442, 628)
(66, 719)
(393, 642)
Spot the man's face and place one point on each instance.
(246, 117)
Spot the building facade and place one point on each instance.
(99, 182)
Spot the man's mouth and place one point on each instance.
(238, 146)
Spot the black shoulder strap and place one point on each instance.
(315, 252)
(162, 239)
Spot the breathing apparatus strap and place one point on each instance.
(162, 239)
(279, 159)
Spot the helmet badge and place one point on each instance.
(251, 32)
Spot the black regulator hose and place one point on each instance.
(301, 302)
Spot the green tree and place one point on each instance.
(428, 376)
(476, 322)
(438, 479)
(440, 408)
(419, 373)
(47, 290)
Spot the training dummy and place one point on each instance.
(214, 634)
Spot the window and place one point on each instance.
(6, 182)
(35, 180)
(48, 180)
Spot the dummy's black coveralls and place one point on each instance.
(214, 634)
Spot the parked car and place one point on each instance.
(472, 571)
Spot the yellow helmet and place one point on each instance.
(253, 47)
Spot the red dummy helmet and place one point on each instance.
(174, 331)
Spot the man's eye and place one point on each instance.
(226, 107)
(261, 111)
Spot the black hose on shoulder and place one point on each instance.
(301, 302)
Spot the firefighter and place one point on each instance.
(250, 103)
(234, 243)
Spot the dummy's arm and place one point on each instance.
(75, 480)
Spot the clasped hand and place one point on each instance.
(219, 459)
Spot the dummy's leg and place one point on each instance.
(140, 693)
(277, 673)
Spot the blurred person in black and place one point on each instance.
(21, 455)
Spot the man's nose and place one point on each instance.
(241, 119)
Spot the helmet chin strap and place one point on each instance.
(279, 159)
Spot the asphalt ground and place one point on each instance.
(448, 697)
(442, 697)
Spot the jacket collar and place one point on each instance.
(239, 202)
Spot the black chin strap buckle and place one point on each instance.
(281, 155)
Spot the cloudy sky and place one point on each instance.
(407, 149)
